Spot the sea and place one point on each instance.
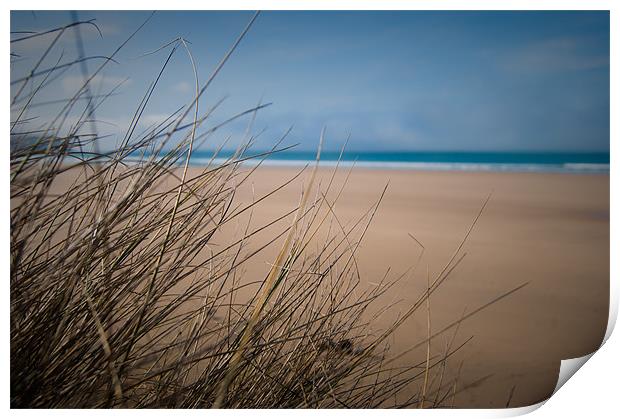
(426, 160)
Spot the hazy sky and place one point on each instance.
(394, 80)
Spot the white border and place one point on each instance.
(316, 5)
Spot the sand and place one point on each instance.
(549, 230)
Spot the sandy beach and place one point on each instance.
(549, 230)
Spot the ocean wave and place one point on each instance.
(434, 166)
(587, 166)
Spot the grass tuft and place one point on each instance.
(122, 295)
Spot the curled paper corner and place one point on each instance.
(568, 368)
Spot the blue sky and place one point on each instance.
(416, 80)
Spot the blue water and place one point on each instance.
(468, 161)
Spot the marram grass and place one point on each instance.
(120, 299)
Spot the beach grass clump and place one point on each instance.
(123, 295)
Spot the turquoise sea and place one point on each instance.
(425, 160)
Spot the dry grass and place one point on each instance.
(120, 299)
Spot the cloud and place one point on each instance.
(182, 87)
(66, 41)
(99, 83)
(555, 55)
(108, 29)
(148, 120)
